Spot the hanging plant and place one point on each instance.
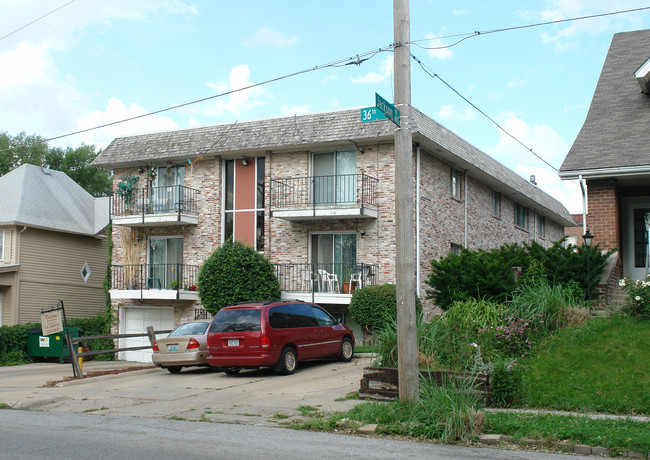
(125, 188)
(151, 174)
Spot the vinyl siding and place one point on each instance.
(50, 270)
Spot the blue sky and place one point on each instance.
(97, 61)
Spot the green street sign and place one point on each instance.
(372, 114)
(387, 108)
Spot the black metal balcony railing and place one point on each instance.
(335, 190)
(175, 277)
(156, 200)
(325, 278)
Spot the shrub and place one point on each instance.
(505, 382)
(488, 274)
(637, 303)
(236, 273)
(373, 306)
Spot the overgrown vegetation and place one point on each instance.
(637, 304)
(490, 274)
(236, 273)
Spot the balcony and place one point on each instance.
(324, 283)
(156, 206)
(324, 197)
(154, 281)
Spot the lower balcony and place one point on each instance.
(154, 281)
(327, 283)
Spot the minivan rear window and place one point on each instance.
(292, 315)
(243, 320)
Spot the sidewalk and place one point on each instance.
(636, 418)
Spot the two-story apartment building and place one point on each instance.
(316, 195)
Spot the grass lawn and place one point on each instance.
(602, 367)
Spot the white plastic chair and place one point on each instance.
(308, 278)
(329, 280)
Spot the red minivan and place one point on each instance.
(276, 334)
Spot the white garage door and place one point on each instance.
(136, 321)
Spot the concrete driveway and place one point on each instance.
(252, 397)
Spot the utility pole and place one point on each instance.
(405, 246)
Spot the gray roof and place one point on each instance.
(615, 133)
(314, 131)
(48, 199)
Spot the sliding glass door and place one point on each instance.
(335, 177)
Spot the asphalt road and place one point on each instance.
(54, 436)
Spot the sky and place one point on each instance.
(67, 66)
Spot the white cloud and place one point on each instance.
(517, 82)
(26, 65)
(266, 36)
(294, 109)
(440, 52)
(449, 112)
(461, 12)
(566, 192)
(384, 73)
(240, 101)
(116, 110)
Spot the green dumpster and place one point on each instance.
(50, 346)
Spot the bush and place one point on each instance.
(488, 274)
(637, 304)
(236, 273)
(505, 382)
(373, 306)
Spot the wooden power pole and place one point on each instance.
(405, 247)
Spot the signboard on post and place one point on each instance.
(372, 114)
(51, 322)
(388, 109)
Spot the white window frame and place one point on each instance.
(541, 226)
(496, 203)
(455, 183)
(521, 211)
(2, 245)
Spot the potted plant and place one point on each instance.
(174, 285)
(125, 189)
(151, 174)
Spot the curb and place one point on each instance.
(580, 449)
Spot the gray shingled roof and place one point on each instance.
(315, 130)
(36, 197)
(615, 132)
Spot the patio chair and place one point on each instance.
(308, 279)
(330, 281)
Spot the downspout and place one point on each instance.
(584, 205)
(465, 230)
(417, 218)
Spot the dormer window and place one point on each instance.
(643, 76)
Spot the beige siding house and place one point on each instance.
(316, 195)
(52, 246)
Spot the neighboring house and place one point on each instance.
(52, 246)
(612, 155)
(313, 193)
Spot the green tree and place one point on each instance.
(236, 273)
(75, 162)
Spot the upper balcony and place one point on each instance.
(156, 206)
(324, 197)
(154, 281)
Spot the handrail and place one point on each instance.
(328, 190)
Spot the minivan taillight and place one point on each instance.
(193, 343)
(264, 341)
(155, 346)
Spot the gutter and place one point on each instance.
(605, 173)
(584, 205)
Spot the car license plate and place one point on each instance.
(172, 347)
(233, 342)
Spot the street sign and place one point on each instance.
(389, 109)
(372, 114)
(51, 322)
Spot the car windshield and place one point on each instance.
(190, 329)
(237, 321)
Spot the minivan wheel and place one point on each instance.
(232, 370)
(347, 350)
(174, 369)
(288, 361)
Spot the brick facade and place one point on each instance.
(603, 219)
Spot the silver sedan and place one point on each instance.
(184, 346)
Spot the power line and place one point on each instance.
(435, 75)
(507, 29)
(36, 20)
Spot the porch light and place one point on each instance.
(588, 238)
(244, 162)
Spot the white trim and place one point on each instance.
(605, 173)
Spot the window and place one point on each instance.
(334, 254)
(165, 263)
(167, 189)
(496, 204)
(289, 316)
(521, 216)
(455, 183)
(335, 177)
(541, 226)
(640, 238)
(244, 195)
(455, 249)
(2, 245)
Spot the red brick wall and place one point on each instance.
(604, 213)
